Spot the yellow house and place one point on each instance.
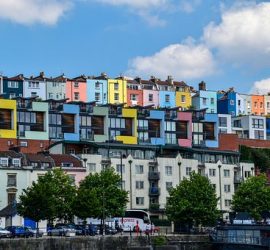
(8, 118)
(129, 139)
(182, 95)
(117, 90)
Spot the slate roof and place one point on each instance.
(60, 159)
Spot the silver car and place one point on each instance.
(4, 233)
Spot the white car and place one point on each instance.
(4, 233)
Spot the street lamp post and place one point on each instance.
(179, 169)
(121, 169)
(130, 182)
(219, 167)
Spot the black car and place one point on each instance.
(108, 230)
(18, 231)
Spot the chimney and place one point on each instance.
(152, 79)
(138, 79)
(170, 80)
(202, 85)
(42, 74)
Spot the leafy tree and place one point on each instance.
(193, 202)
(49, 198)
(252, 196)
(99, 196)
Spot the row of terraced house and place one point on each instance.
(153, 146)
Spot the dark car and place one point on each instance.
(92, 229)
(18, 231)
(108, 230)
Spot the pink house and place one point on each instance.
(150, 93)
(186, 118)
(76, 89)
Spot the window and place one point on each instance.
(257, 123)
(212, 172)
(204, 100)
(133, 97)
(261, 105)
(268, 105)
(3, 161)
(72, 178)
(167, 98)
(33, 94)
(168, 170)
(50, 95)
(188, 171)
(169, 186)
(11, 198)
(23, 143)
(97, 97)
(228, 203)
(209, 130)
(247, 174)
(259, 134)
(232, 102)
(183, 98)
(226, 173)
(227, 188)
(214, 186)
(76, 85)
(34, 85)
(237, 123)
(13, 85)
(12, 95)
(76, 95)
(222, 121)
(119, 170)
(11, 180)
(150, 97)
(139, 200)
(116, 86)
(97, 85)
(139, 184)
(116, 96)
(91, 167)
(139, 169)
(212, 100)
(16, 162)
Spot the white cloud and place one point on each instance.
(183, 61)
(261, 87)
(243, 36)
(28, 12)
(138, 4)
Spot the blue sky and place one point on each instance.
(225, 43)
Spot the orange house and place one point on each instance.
(134, 93)
(76, 89)
(257, 105)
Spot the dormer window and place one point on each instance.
(67, 164)
(16, 162)
(4, 162)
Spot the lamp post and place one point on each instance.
(121, 169)
(85, 160)
(179, 169)
(219, 167)
(252, 169)
(130, 182)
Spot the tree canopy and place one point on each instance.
(193, 202)
(100, 196)
(49, 198)
(252, 196)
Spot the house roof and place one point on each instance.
(19, 77)
(61, 78)
(40, 77)
(9, 210)
(61, 159)
(39, 157)
(81, 78)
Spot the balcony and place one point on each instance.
(154, 191)
(238, 179)
(154, 208)
(143, 141)
(153, 176)
(105, 161)
(171, 141)
(152, 163)
(142, 128)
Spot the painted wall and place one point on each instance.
(267, 104)
(257, 105)
(178, 99)
(121, 91)
(72, 109)
(7, 90)
(146, 101)
(162, 99)
(71, 89)
(102, 111)
(56, 90)
(205, 99)
(186, 116)
(246, 104)
(102, 90)
(40, 91)
(159, 115)
(212, 118)
(138, 93)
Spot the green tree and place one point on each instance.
(193, 202)
(252, 196)
(100, 196)
(49, 198)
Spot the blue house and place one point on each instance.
(205, 99)
(97, 89)
(13, 86)
(268, 128)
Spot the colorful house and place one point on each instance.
(150, 93)
(117, 90)
(36, 86)
(205, 99)
(257, 105)
(76, 89)
(97, 89)
(267, 104)
(166, 93)
(182, 95)
(12, 86)
(246, 104)
(134, 92)
(56, 88)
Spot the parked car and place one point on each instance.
(108, 230)
(61, 230)
(4, 233)
(92, 229)
(34, 231)
(18, 231)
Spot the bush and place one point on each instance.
(159, 240)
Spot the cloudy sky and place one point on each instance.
(225, 43)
